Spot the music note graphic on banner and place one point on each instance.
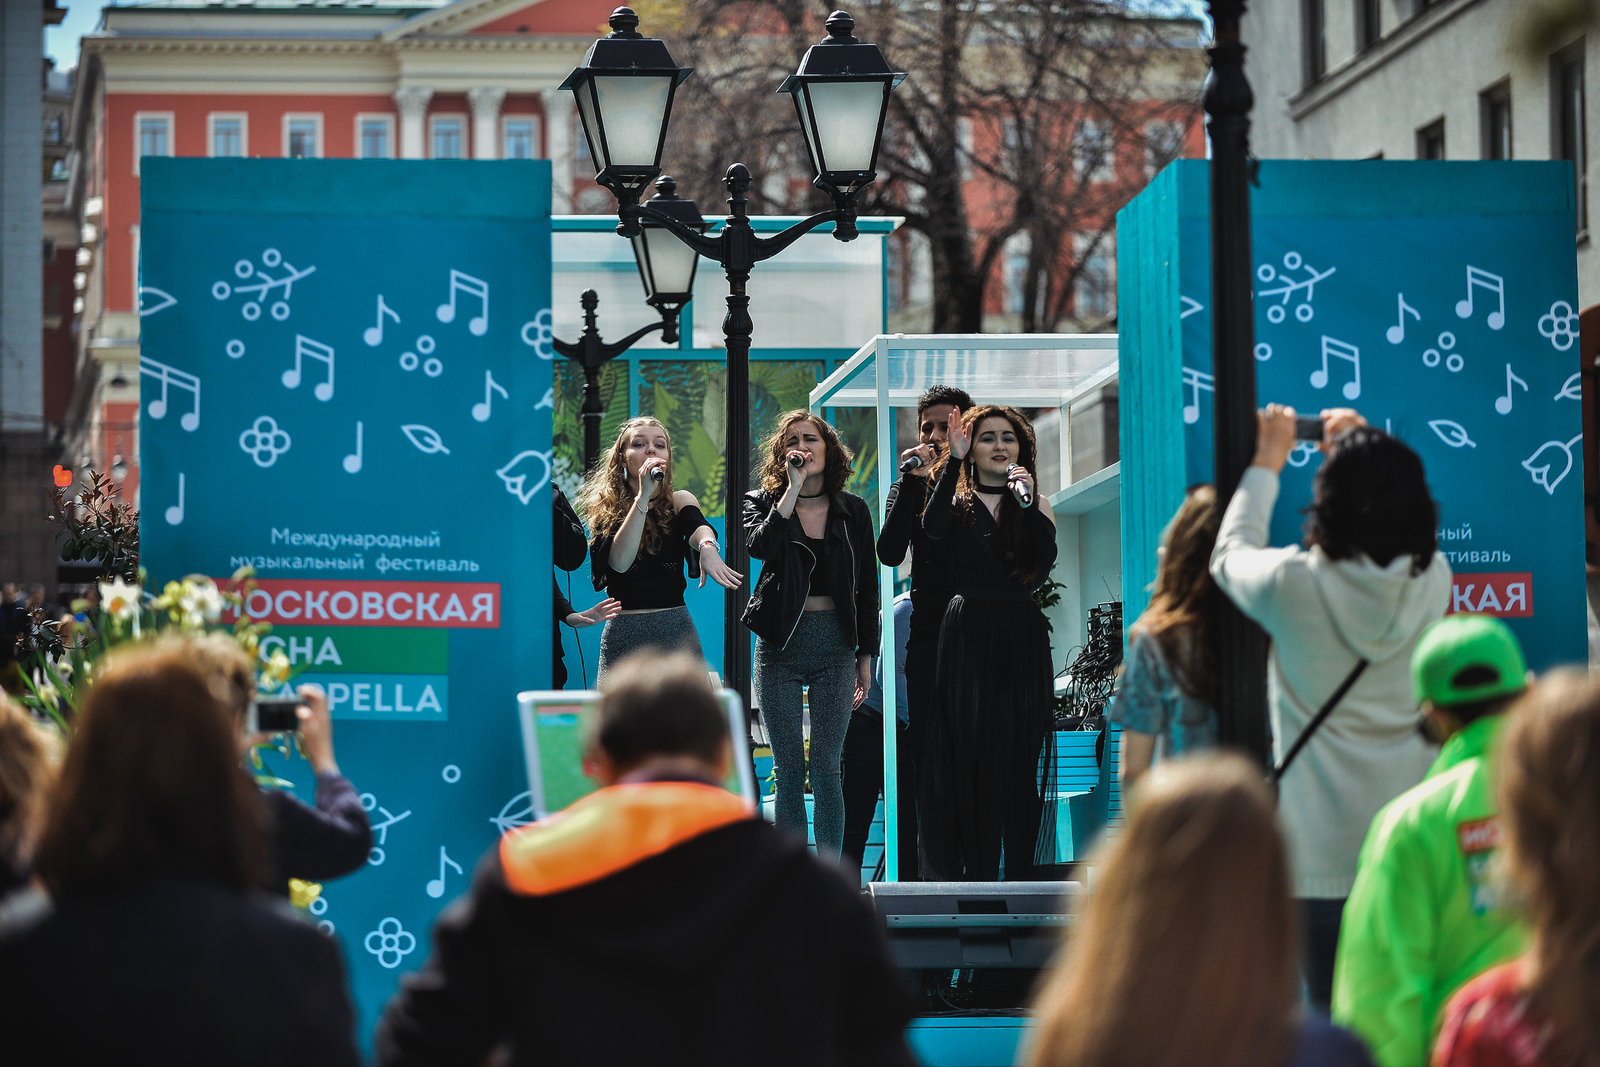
(1397, 332)
(175, 511)
(169, 376)
(1502, 404)
(305, 346)
(490, 386)
(466, 283)
(352, 462)
(1195, 381)
(1339, 350)
(436, 885)
(1478, 278)
(373, 335)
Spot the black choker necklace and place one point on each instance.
(993, 490)
(813, 496)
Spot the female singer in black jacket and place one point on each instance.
(990, 716)
(814, 613)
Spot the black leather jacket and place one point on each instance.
(780, 596)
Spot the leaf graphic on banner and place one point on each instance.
(1452, 433)
(425, 438)
(1572, 388)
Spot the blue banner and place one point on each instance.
(346, 384)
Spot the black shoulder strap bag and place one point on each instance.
(1323, 712)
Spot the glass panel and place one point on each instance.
(847, 114)
(302, 139)
(566, 466)
(447, 139)
(633, 109)
(519, 140)
(152, 137)
(374, 140)
(1024, 371)
(227, 138)
(820, 293)
(600, 262)
(672, 263)
(803, 111)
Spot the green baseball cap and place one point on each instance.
(1456, 643)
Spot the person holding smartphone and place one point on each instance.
(316, 843)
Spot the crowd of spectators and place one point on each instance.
(1428, 867)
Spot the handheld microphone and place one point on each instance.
(658, 475)
(911, 463)
(797, 461)
(1019, 490)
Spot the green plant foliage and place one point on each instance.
(567, 431)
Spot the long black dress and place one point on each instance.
(989, 714)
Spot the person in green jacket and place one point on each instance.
(1423, 917)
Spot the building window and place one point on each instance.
(964, 148)
(1095, 160)
(58, 170)
(519, 138)
(227, 135)
(375, 136)
(302, 136)
(449, 137)
(1163, 142)
(1430, 140)
(1494, 114)
(1314, 28)
(1097, 284)
(1567, 108)
(1369, 24)
(1014, 272)
(154, 136)
(54, 130)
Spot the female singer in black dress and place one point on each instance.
(990, 713)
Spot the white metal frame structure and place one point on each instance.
(891, 371)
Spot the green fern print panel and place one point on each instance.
(567, 435)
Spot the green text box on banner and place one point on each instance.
(349, 389)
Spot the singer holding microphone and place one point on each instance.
(990, 712)
(644, 532)
(814, 613)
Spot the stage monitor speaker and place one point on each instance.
(974, 924)
(974, 947)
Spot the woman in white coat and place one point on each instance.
(1366, 583)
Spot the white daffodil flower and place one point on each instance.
(119, 599)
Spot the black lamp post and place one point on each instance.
(1242, 647)
(841, 93)
(668, 277)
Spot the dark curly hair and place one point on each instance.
(943, 394)
(1011, 538)
(1371, 498)
(835, 472)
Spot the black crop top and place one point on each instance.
(819, 573)
(654, 581)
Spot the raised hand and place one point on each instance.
(1336, 421)
(958, 440)
(1274, 437)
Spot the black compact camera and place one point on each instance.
(1308, 427)
(273, 715)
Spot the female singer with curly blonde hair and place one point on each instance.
(643, 533)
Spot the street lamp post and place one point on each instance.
(625, 88)
(668, 279)
(1242, 647)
